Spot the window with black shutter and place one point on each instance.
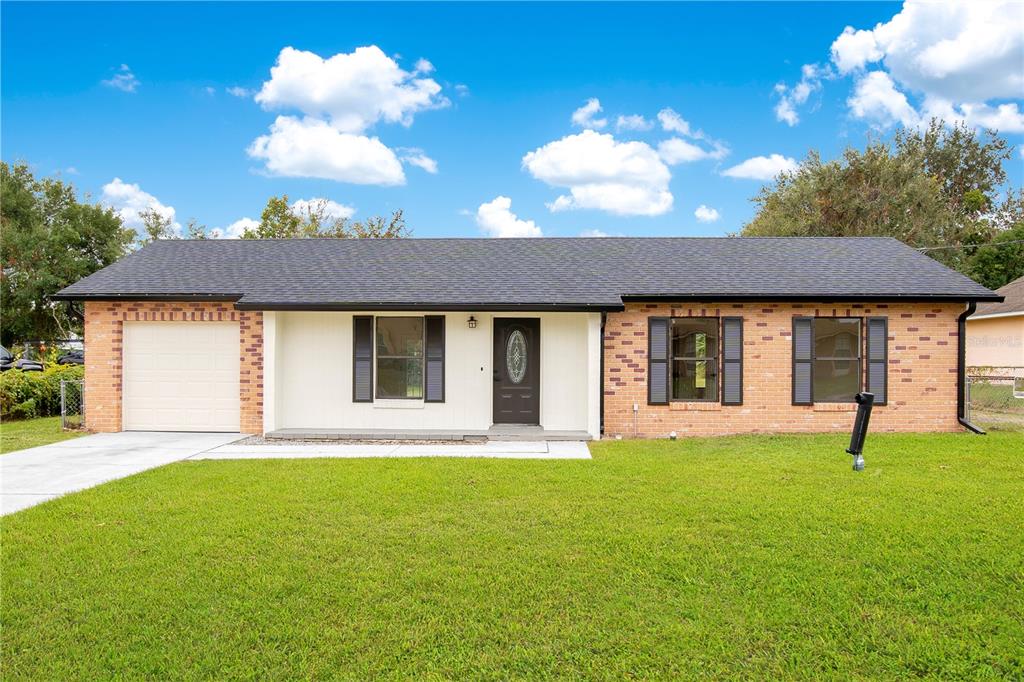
(434, 371)
(732, 360)
(362, 359)
(657, 360)
(878, 358)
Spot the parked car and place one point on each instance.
(7, 362)
(71, 357)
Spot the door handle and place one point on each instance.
(496, 377)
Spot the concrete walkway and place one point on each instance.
(498, 449)
(28, 477)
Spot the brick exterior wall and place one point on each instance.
(922, 372)
(104, 328)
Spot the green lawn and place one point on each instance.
(18, 435)
(753, 557)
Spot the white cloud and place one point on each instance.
(130, 201)
(675, 151)
(593, 233)
(761, 167)
(584, 116)
(239, 91)
(235, 229)
(342, 97)
(415, 157)
(352, 90)
(706, 215)
(672, 122)
(959, 51)
(331, 209)
(123, 79)
(811, 76)
(624, 178)
(854, 49)
(209, 90)
(1006, 118)
(876, 99)
(313, 148)
(462, 90)
(633, 122)
(496, 219)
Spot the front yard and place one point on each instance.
(758, 557)
(28, 433)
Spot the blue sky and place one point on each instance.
(480, 138)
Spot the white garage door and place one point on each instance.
(180, 376)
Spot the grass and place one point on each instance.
(753, 557)
(993, 406)
(18, 435)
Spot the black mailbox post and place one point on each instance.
(860, 429)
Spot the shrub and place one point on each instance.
(24, 395)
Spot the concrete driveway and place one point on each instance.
(28, 477)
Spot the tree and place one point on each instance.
(195, 230)
(1000, 261)
(280, 220)
(48, 240)
(928, 188)
(156, 225)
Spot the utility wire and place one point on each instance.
(970, 246)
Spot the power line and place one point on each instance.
(970, 246)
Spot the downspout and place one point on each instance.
(604, 317)
(961, 369)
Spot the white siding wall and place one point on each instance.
(309, 355)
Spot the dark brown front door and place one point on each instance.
(516, 371)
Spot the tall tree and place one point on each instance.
(48, 240)
(932, 187)
(155, 225)
(280, 220)
(1000, 261)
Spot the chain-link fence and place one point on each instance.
(72, 405)
(995, 398)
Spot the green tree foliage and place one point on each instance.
(280, 221)
(48, 240)
(1002, 260)
(155, 225)
(933, 187)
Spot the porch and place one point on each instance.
(498, 432)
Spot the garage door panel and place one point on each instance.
(181, 376)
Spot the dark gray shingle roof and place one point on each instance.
(567, 272)
(1013, 300)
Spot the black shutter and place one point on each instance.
(657, 360)
(878, 358)
(732, 360)
(803, 360)
(362, 359)
(434, 374)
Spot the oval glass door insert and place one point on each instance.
(515, 356)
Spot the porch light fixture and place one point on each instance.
(472, 322)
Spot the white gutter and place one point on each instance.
(991, 316)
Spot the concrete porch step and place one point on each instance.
(495, 433)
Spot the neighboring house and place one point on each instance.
(995, 333)
(621, 336)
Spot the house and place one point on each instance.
(995, 332)
(631, 337)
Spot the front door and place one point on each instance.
(516, 370)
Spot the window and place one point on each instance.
(837, 358)
(400, 357)
(694, 354)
